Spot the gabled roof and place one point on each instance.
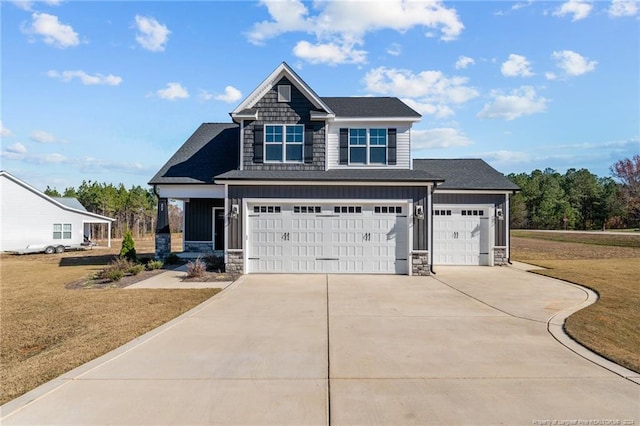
(283, 70)
(466, 174)
(211, 150)
(334, 175)
(65, 203)
(370, 107)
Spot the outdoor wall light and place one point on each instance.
(233, 214)
(499, 214)
(419, 212)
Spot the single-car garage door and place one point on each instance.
(328, 238)
(462, 235)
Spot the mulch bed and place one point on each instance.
(127, 280)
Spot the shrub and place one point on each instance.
(214, 263)
(196, 269)
(128, 250)
(135, 269)
(114, 274)
(172, 259)
(144, 260)
(154, 264)
(118, 264)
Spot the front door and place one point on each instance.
(218, 229)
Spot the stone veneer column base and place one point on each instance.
(420, 263)
(500, 256)
(235, 262)
(198, 246)
(163, 246)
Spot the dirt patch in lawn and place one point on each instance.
(610, 326)
(49, 329)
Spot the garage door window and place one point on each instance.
(307, 209)
(387, 209)
(266, 209)
(472, 212)
(347, 209)
(442, 212)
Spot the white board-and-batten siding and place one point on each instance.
(403, 143)
(27, 218)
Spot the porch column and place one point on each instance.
(163, 231)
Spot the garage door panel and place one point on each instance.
(327, 239)
(457, 236)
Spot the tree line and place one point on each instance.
(134, 209)
(578, 199)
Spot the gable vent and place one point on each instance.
(284, 93)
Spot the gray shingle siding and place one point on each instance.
(270, 111)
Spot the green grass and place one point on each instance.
(622, 239)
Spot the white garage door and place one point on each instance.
(462, 236)
(328, 238)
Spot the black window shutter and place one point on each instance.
(258, 144)
(391, 146)
(308, 145)
(344, 146)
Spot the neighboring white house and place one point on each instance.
(32, 221)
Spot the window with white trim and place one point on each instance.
(62, 231)
(307, 209)
(347, 209)
(284, 93)
(284, 143)
(367, 146)
(387, 209)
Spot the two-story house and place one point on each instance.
(308, 184)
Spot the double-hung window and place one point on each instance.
(367, 146)
(284, 143)
(61, 231)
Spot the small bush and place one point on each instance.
(128, 250)
(119, 264)
(172, 259)
(214, 263)
(114, 275)
(144, 260)
(196, 269)
(154, 264)
(135, 269)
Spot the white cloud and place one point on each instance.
(41, 136)
(28, 5)
(620, 8)
(439, 111)
(580, 9)
(510, 157)
(518, 103)
(330, 53)
(515, 66)
(151, 35)
(52, 30)
(438, 138)
(86, 79)
(173, 91)
(205, 95)
(572, 63)
(463, 62)
(340, 25)
(231, 94)
(394, 49)
(432, 86)
(4, 132)
(550, 76)
(518, 6)
(17, 148)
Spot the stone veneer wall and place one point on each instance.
(198, 246)
(235, 262)
(420, 263)
(163, 246)
(500, 256)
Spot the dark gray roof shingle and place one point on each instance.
(369, 107)
(211, 150)
(469, 174)
(70, 202)
(337, 175)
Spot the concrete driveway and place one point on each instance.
(468, 346)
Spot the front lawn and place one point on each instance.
(48, 329)
(609, 265)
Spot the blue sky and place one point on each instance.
(108, 91)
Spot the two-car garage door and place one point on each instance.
(328, 238)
